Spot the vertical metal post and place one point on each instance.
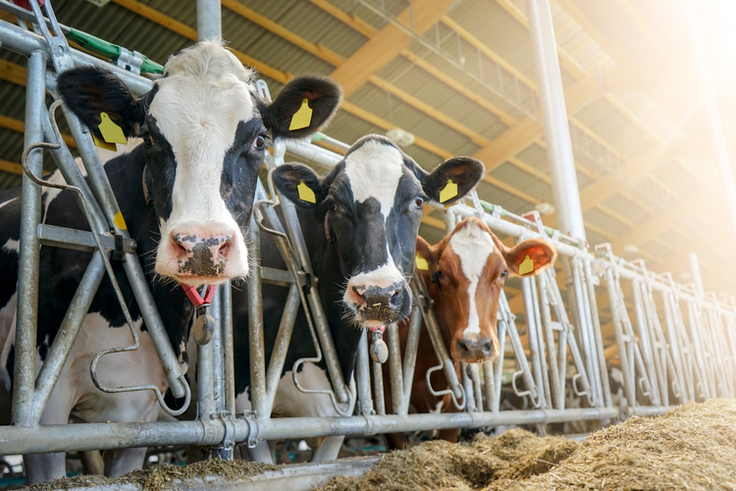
(228, 346)
(209, 19)
(24, 373)
(394, 361)
(692, 260)
(255, 326)
(714, 116)
(365, 402)
(410, 356)
(556, 130)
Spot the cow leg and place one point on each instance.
(92, 462)
(450, 434)
(329, 449)
(121, 461)
(396, 441)
(44, 466)
(261, 453)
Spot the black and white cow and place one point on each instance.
(361, 233)
(186, 195)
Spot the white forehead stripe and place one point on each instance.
(374, 171)
(472, 245)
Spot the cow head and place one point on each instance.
(465, 274)
(204, 129)
(371, 205)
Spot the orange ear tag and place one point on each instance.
(422, 263)
(526, 266)
(302, 117)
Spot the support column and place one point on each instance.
(24, 373)
(209, 19)
(554, 116)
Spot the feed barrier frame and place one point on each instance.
(666, 357)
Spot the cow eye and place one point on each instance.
(332, 206)
(437, 276)
(147, 140)
(419, 201)
(503, 274)
(259, 143)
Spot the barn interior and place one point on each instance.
(459, 78)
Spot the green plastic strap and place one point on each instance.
(107, 49)
(318, 136)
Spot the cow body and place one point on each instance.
(360, 235)
(185, 193)
(464, 274)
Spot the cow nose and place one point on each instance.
(380, 303)
(202, 253)
(481, 350)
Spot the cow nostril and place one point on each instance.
(224, 250)
(179, 249)
(395, 299)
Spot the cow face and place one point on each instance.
(371, 206)
(465, 275)
(204, 130)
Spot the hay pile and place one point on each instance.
(692, 447)
(516, 454)
(162, 476)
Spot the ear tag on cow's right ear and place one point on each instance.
(526, 266)
(103, 144)
(111, 132)
(302, 117)
(305, 193)
(448, 192)
(422, 263)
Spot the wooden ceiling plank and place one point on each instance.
(11, 167)
(388, 43)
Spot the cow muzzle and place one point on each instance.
(379, 305)
(209, 253)
(477, 351)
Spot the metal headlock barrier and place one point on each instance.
(676, 344)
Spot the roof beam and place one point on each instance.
(388, 43)
(11, 167)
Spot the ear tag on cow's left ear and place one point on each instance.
(422, 263)
(305, 193)
(302, 117)
(111, 132)
(103, 144)
(448, 192)
(526, 266)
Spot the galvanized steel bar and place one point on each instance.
(27, 311)
(70, 326)
(378, 390)
(281, 345)
(629, 389)
(362, 372)
(258, 396)
(394, 366)
(228, 345)
(209, 19)
(410, 356)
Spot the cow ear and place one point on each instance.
(304, 105)
(299, 183)
(530, 257)
(90, 91)
(425, 255)
(453, 179)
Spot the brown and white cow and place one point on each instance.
(464, 274)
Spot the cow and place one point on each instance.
(186, 194)
(464, 273)
(360, 224)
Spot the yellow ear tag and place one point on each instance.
(103, 144)
(449, 192)
(526, 266)
(306, 193)
(111, 132)
(302, 117)
(120, 221)
(422, 263)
